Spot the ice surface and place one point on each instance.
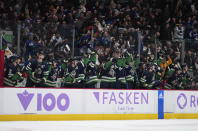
(121, 125)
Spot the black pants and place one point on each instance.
(30, 83)
(69, 85)
(120, 85)
(130, 85)
(108, 85)
(90, 85)
(80, 85)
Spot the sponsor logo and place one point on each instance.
(182, 101)
(121, 97)
(44, 101)
(123, 100)
(25, 99)
(187, 101)
(161, 95)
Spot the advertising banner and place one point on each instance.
(41, 101)
(160, 104)
(181, 101)
(77, 101)
(186, 102)
(121, 101)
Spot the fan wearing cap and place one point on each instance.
(12, 72)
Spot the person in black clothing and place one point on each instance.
(54, 70)
(13, 73)
(37, 72)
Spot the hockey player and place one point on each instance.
(12, 72)
(108, 75)
(37, 72)
(92, 71)
(91, 75)
(85, 60)
(141, 71)
(51, 79)
(130, 72)
(69, 75)
(62, 68)
(120, 73)
(80, 74)
(153, 77)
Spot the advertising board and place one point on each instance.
(77, 101)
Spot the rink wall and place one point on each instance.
(95, 104)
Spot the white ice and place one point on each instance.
(121, 125)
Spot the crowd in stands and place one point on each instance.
(127, 44)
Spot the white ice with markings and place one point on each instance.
(121, 125)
